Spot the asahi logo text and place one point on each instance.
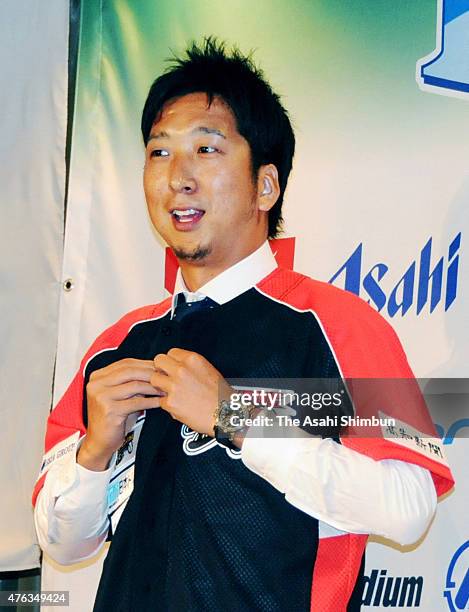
(425, 282)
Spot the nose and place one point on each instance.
(182, 178)
(183, 185)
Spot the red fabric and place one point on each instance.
(335, 572)
(67, 416)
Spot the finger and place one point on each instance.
(122, 364)
(165, 407)
(162, 382)
(125, 374)
(132, 388)
(189, 358)
(136, 404)
(180, 354)
(166, 364)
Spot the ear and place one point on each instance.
(268, 189)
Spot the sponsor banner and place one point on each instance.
(426, 283)
(443, 70)
(383, 589)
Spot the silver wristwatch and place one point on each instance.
(229, 421)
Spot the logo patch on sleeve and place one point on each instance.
(59, 452)
(409, 437)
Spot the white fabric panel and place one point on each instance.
(33, 100)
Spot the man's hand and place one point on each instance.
(192, 388)
(113, 393)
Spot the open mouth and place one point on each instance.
(189, 215)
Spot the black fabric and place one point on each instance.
(201, 532)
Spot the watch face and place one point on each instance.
(231, 419)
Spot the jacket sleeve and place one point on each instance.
(71, 505)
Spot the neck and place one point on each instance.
(197, 274)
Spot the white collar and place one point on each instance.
(231, 282)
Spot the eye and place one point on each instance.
(159, 153)
(207, 149)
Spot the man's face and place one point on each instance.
(198, 183)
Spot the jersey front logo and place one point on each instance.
(196, 443)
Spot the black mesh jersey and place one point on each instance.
(201, 532)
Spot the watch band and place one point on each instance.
(226, 438)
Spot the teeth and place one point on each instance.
(185, 213)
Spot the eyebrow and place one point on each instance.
(203, 129)
(207, 130)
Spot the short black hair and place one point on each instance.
(260, 117)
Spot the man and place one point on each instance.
(220, 519)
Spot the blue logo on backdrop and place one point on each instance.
(457, 580)
(420, 282)
(447, 437)
(392, 591)
(447, 67)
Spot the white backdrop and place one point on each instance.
(379, 163)
(33, 103)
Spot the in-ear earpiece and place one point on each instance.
(267, 187)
